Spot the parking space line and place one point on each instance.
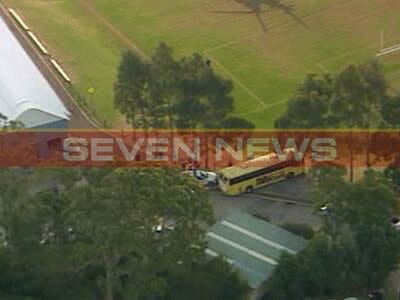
(257, 237)
(242, 248)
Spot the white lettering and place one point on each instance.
(77, 146)
(236, 154)
(153, 152)
(180, 145)
(257, 146)
(290, 144)
(328, 147)
(129, 156)
(96, 149)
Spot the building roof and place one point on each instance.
(23, 89)
(253, 246)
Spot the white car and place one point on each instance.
(206, 178)
(324, 210)
(163, 226)
(395, 223)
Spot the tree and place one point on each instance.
(213, 280)
(130, 89)
(330, 267)
(13, 196)
(379, 247)
(36, 260)
(328, 183)
(287, 281)
(351, 203)
(356, 248)
(324, 269)
(116, 219)
(119, 234)
(164, 83)
(367, 207)
(236, 123)
(309, 107)
(205, 97)
(354, 98)
(391, 111)
(358, 99)
(174, 93)
(392, 173)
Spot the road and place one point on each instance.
(292, 205)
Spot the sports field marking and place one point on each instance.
(138, 50)
(240, 83)
(389, 50)
(237, 41)
(322, 68)
(233, 42)
(347, 53)
(224, 45)
(134, 47)
(354, 50)
(90, 8)
(263, 108)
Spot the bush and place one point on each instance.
(303, 230)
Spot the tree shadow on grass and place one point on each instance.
(255, 7)
(286, 8)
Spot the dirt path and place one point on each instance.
(89, 7)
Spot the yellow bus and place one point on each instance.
(258, 172)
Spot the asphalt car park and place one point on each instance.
(283, 202)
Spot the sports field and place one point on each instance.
(265, 62)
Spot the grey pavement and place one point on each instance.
(297, 187)
(276, 212)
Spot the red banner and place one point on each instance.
(206, 149)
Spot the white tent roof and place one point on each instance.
(22, 86)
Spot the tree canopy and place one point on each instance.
(165, 92)
(356, 248)
(124, 234)
(356, 97)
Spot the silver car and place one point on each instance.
(206, 178)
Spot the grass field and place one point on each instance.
(87, 36)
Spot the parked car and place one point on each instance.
(395, 223)
(324, 210)
(163, 226)
(376, 295)
(206, 178)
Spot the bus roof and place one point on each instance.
(250, 165)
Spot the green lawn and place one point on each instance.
(265, 66)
